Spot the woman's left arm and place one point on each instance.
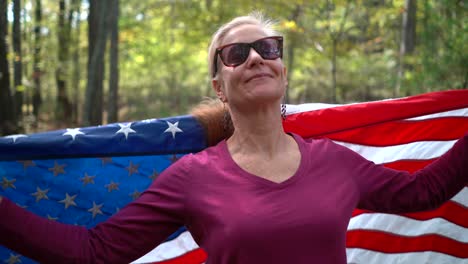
(387, 190)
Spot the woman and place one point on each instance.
(259, 196)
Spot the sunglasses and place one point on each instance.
(234, 54)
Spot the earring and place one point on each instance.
(283, 111)
(226, 118)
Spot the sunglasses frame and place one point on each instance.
(220, 49)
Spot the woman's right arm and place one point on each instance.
(132, 232)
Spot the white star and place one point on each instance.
(69, 200)
(96, 209)
(125, 129)
(15, 137)
(73, 132)
(173, 128)
(13, 259)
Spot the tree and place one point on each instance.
(7, 110)
(37, 71)
(408, 35)
(97, 44)
(63, 106)
(112, 104)
(17, 59)
(74, 19)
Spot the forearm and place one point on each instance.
(39, 238)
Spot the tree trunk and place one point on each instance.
(75, 85)
(97, 44)
(291, 46)
(37, 71)
(63, 107)
(7, 110)
(112, 110)
(408, 39)
(333, 69)
(19, 88)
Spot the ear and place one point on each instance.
(285, 76)
(216, 84)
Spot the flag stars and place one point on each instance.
(105, 160)
(40, 194)
(8, 183)
(57, 169)
(154, 175)
(15, 137)
(125, 129)
(87, 179)
(96, 209)
(52, 218)
(69, 200)
(135, 194)
(13, 259)
(132, 168)
(173, 128)
(73, 132)
(173, 158)
(27, 163)
(112, 186)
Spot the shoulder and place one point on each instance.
(201, 162)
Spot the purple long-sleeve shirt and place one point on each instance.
(237, 217)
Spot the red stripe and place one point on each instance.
(408, 165)
(450, 211)
(196, 256)
(390, 243)
(341, 118)
(401, 132)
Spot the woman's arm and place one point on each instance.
(387, 190)
(132, 232)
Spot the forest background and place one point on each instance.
(71, 63)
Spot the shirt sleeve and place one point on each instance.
(392, 191)
(132, 232)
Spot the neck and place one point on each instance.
(259, 131)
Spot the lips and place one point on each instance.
(258, 75)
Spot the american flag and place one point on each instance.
(84, 175)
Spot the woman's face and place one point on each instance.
(256, 81)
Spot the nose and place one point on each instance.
(253, 58)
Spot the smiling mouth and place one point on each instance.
(258, 76)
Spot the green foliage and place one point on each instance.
(163, 49)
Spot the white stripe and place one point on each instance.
(404, 226)
(462, 112)
(363, 256)
(462, 197)
(170, 249)
(294, 109)
(421, 150)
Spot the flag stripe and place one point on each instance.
(171, 249)
(408, 227)
(342, 118)
(194, 256)
(369, 256)
(422, 150)
(450, 211)
(400, 132)
(387, 243)
(462, 112)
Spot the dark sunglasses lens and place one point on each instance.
(268, 48)
(235, 54)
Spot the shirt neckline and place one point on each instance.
(261, 180)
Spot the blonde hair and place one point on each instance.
(213, 114)
(255, 18)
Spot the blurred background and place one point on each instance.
(71, 63)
